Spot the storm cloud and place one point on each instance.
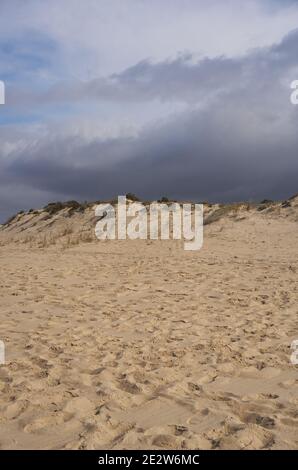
(216, 128)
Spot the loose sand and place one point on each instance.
(140, 344)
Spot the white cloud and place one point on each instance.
(98, 38)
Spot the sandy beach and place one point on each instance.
(140, 344)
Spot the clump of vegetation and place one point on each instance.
(225, 210)
(132, 197)
(286, 204)
(163, 200)
(75, 206)
(54, 207)
(267, 201)
(265, 204)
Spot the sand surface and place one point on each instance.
(139, 344)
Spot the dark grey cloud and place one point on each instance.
(181, 79)
(242, 144)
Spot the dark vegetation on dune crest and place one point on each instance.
(213, 212)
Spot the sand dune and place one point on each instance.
(139, 344)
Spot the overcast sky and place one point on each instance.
(184, 98)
